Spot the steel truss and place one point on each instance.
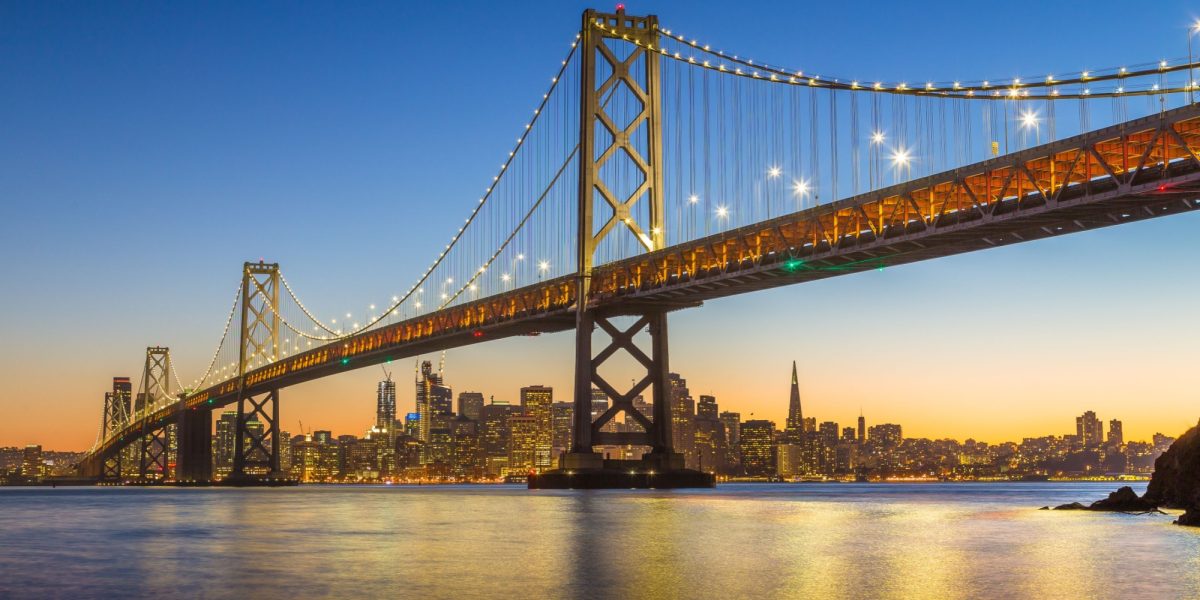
(154, 464)
(154, 447)
(644, 86)
(256, 449)
(657, 426)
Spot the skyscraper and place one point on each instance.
(862, 428)
(709, 439)
(562, 414)
(794, 428)
(385, 406)
(536, 400)
(412, 425)
(522, 452)
(435, 405)
(465, 455)
(828, 443)
(682, 412)
(1089, 430)
(32, 467)
(758, 447)
(496, 435)
(1116, 434)
(733, 436)
(224, 447)
(470, 404)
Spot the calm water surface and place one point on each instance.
(738, 541)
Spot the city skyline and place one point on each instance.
(947, 345)
(493, 441)
(388, 404)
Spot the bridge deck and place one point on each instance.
(1137, 170)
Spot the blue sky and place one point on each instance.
(147, 149)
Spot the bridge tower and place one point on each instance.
(603, 212)
(155, 392)
(256, 439)
(117, 407)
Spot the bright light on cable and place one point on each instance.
(800, 187)
(1029, 119)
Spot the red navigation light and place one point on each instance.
(477, 333)
(1162, 188)
(621, 7)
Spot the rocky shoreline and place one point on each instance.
(1175, 484)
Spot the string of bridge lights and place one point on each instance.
(543, 266)
(220, 345)
(398, 300)
(1016, 88)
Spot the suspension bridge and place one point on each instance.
(658, 171)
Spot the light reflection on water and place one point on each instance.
(805, 540)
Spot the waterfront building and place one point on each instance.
(536, 400)
(496, 435)
(683, 411)
(223, 445)
(827, 444)
(790, 460)
(32, 467)
(732, 422)
(562, 414)
(522, 454)
(360, 456)
(758, 445)
(464, 449)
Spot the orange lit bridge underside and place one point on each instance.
(1130, 172)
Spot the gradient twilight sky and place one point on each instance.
(147, 149)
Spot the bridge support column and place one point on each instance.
(256, 439)
(661, 466)
(195, 446)
(638, 216)
(110, 471)
(152, 462)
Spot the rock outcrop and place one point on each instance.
(1175, 484)
(1122, 500)
(1176, 479)
(1190, 518)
